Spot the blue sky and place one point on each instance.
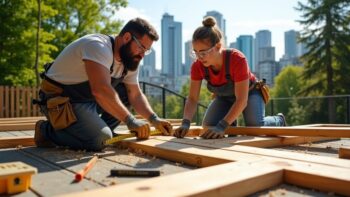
(242, 17)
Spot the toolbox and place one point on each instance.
(15, 177)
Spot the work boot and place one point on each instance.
(283, 119)
(39, 139)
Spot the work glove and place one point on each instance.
(160, 124)
(141, 128)
(183, 129)
(216, 132)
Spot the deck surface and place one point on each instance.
(57, 166)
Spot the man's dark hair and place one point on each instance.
(140, 27)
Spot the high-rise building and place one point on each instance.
(290, 43)
(221, 22)
(150, 59)
(171, 47)
(262, 39)
(233, 45)
(244, 43)
(148, 67)
(188, 59)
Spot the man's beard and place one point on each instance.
(130, 61)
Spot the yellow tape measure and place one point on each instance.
(122, 137)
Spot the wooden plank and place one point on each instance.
(268, 142)
(1, 101)
(253, 151)
(35, 107)
(17, 95)
(22, 119)
(241, 179)
(17, 127)
(188, 154)
(11, 142)
(323, 178)
(110, 158)
(291, 131)
(28, 102)
(23, 108)
(51, 179)
(12, 99)
(323, 125)
(344, 152)
(7, 102)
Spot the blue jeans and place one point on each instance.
(253, 114)
(92, 128)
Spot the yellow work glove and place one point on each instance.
(141, 128)
(160, 124)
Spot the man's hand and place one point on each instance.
(216, 132)
(162, 125)
(183, 129)
(142, 128)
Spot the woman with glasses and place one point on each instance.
(229, 79)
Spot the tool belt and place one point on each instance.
(57, 108)
(264, 89)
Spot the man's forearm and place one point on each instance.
(141, 106)
(110, 102)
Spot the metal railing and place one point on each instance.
(164, 92)
(312, 109)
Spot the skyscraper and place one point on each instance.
(221, 22)
(290, 43)
(148, 68)
(262, 39)
(188, 59)
(171, 46)
(244, 43)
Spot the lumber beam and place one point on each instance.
(323, 178)
(250, 151)
(241, 179)
(344, 152)
(291, 131)
(12, 142)
(17, 127)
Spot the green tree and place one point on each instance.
(17, 41)
(327, 37)
(287, 84)
(77, 18)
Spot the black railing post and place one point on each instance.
(144, 88)
(272, 108)
(164, 102)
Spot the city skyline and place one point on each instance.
(247, 18)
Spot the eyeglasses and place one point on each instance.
(141, 47)
(201, 54)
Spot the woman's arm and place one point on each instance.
(192, 99)
(241, 93)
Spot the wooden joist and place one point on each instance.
(168, 144)
(291, 131)
(233, 179)
(12, 142)
(239, 178)
(344, 152)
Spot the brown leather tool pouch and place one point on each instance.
(265, 93)
(60, 112)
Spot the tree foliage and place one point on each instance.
(62, 22)
(326, 34)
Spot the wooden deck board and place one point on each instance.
(51, 179)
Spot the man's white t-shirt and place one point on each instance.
(69, 67)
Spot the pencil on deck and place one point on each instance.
(80, 175)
